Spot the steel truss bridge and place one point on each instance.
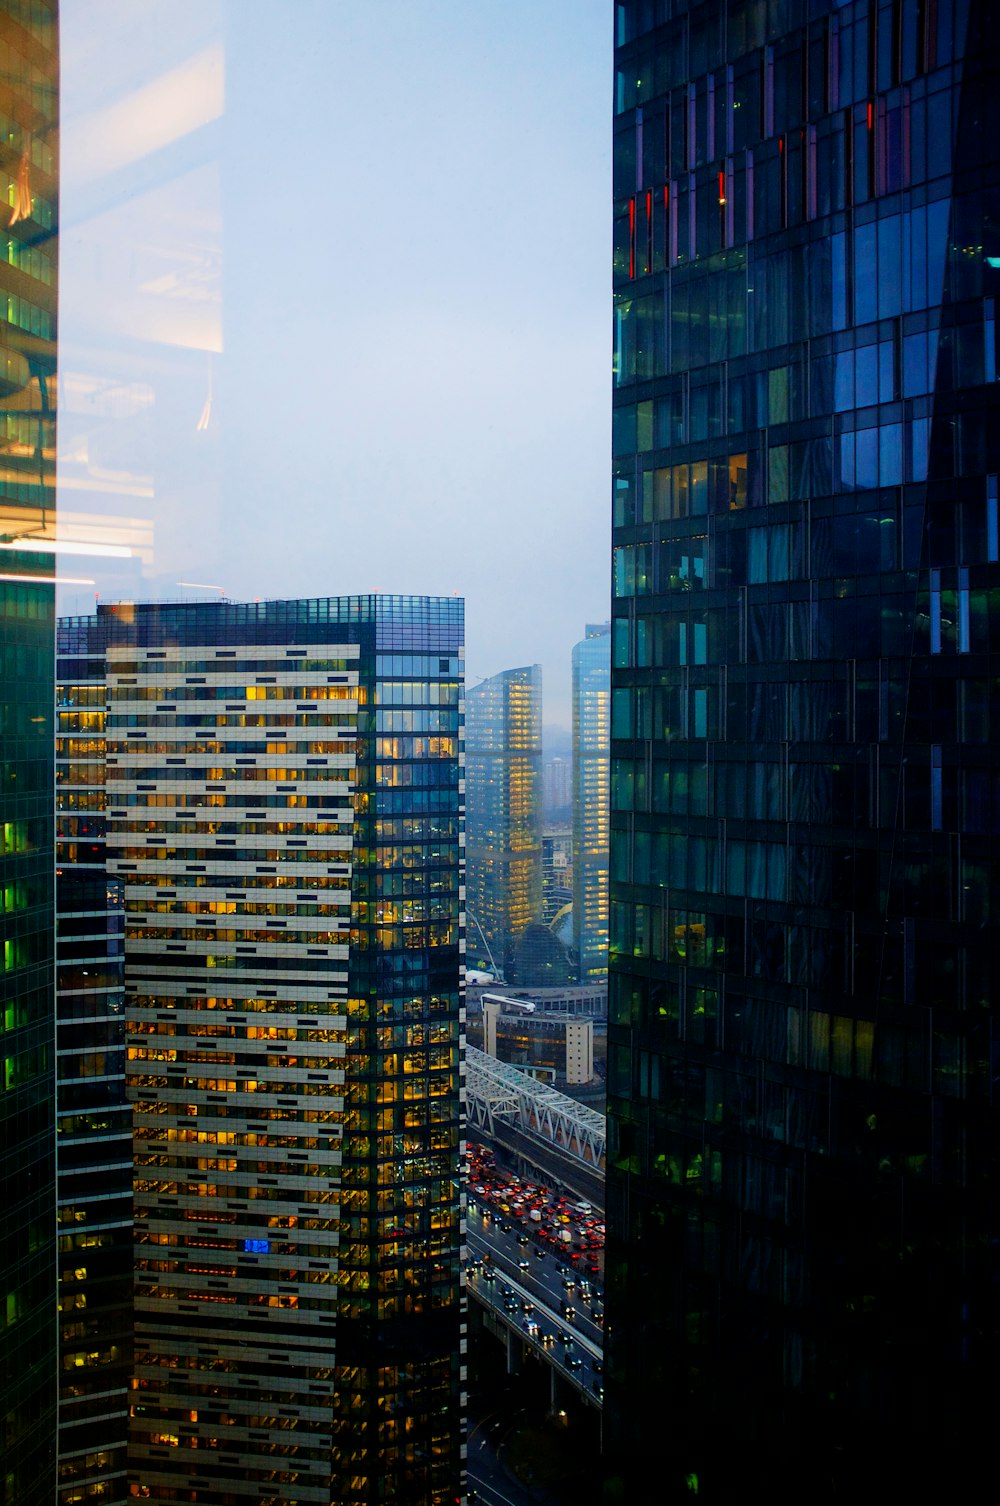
(497, 1093)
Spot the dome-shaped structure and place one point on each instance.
(540, 959)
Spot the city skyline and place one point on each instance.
(333, 318)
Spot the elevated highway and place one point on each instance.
(563, 1139)
(526, 1308)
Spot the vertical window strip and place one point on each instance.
(649, 230)
(692, 218)
(992, 532)
(730, 109)
(963, 611)
(935, 611)
(989, 340)
(692, 129)
(833, 65)
(937, 789)
(638, 150)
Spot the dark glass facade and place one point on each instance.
(805, 815)
(29, 76)
(284, 814)
(93, 1116)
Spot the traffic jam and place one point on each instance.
(570, 1229)
(549, 1246)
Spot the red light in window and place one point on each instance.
(869, 116)
(722, 187)
(631, 237)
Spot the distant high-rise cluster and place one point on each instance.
(283, 810)
(29, 189)
(504, 842)
(804, 787)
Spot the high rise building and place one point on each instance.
(802, 1128)
(284, 813)
(557, 871)
(94, 1118)
(29, 79)
(504, 843)
(591, 760)
(557, 789)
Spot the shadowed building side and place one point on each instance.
(802, 1127)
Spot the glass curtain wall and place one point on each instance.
(29, 82)
(804, 770)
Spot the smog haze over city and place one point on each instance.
(334, 316)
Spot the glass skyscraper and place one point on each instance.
(504, 796)
(591, 757)
(29, 76)
(802, 1122)
(284, 813)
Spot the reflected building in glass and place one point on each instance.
(29, 82)
(802, 1126)
(504, 795)
(591, 758)
(284, 813)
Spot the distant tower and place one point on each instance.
(591, 754)
(557, 788)
(503, 798)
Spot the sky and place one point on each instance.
(334, 308)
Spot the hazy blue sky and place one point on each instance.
(334, 305)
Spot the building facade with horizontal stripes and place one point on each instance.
(284, 792)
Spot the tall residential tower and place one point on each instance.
(284, 813)
(804, 939)
(504, 741)
(591, 757)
